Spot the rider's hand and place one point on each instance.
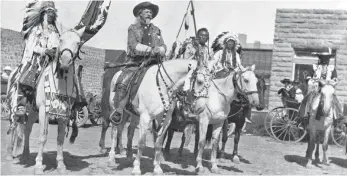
(50, 52)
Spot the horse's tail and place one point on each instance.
(209, 134)
(74, 133)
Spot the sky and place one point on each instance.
(254, 18)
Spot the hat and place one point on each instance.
(8, 68)
(222, 38)
(146, 5)
(286, 80)
(326, 51)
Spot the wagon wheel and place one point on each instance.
(96, 117)
(5, 109)
(287, 126)
(80, 118)
(339, 137)
(271, 114)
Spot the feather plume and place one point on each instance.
(220, 40)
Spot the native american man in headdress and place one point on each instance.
(227, 50)
(322, 71)
(41, 31)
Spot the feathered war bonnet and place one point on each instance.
(221, 39)
(32, 15)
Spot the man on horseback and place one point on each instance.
(322, 71)
(41, 34)
(145, 45)
(229, 56)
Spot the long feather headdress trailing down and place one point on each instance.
(32, 14)
(219, 42)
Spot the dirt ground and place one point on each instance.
(259, 156)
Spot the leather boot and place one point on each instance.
(21, 107)
(120, 101)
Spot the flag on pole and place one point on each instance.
(93, 18)
(186, 22)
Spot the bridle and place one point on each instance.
(77, 54)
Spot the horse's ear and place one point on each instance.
(80, 31)
(253, 67)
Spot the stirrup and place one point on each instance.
(115, 122)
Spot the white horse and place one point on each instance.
(214, 108)
(320, 122)
(55, 90)
(149, 104)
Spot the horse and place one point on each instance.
(238, 112)
(54, 96)
(214, 108)
(320, 120)
(153, 102)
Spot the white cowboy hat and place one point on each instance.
(8, 68)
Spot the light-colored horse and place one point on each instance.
(149, 104)
(215, 108)
(320, 122)
(65, 85)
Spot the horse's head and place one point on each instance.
(247, 82)
(261, 86)
(70, 44)
(327, 93)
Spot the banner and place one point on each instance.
(93, 18)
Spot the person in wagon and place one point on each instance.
(145, 45)
(285, 91)
(321, 71)
(6, 73)
(296, 92)
(41, 30)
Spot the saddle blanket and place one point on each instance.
(57, 104)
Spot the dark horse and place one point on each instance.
(238, 113)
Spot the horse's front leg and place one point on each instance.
(60, 141)
(144, 126)
(169, 133)
(159, 145)
(310, 145)
(180, 151)
(238, 130)
(105, 125)
(43, 122)
(131, 130)
(120, 128)
(325, 145)
(215, 139)
(203, 124)
(112, 154)
(224, 138)
(27, 131)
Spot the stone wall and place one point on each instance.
(308, 29)
(12, 46)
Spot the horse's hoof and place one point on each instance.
(61, 170)
(223, 160)
(309, 165)
(157, 171)
(326, 163)
(111, 163)
(103, 151)
(236, 159)
(215, 170)
(136, 171)
(200, 169)
(38, 171)
(9, 157)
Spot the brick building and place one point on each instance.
(298, 33)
